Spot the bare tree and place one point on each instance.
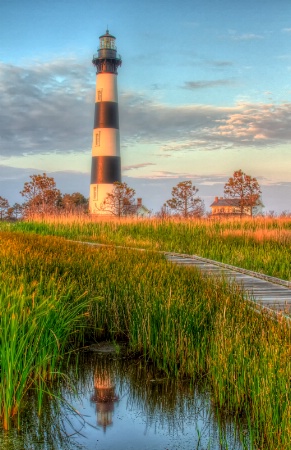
(4, 206)
(41, 194)
(244, 188)
(14, 212)
(163, 213)
(285, 213)
(185, 202)
(120, 201)
(17, 210)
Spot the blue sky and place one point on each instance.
(204, 90)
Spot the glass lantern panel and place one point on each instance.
(107, 42)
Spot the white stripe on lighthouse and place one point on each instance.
(106, 87)
(106, 142)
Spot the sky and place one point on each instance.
(204, 90)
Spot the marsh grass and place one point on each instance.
(260, 244)
(40, 316)
(57, 295)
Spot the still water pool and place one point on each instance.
(113, 403)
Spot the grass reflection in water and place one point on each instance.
(120, 403)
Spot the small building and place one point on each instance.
(139, 210)
(231, 206)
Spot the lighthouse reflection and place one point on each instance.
(146, 408)
(104, 395)
(135, 405)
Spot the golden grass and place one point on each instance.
(258, 244)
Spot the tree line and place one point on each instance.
(42, 197)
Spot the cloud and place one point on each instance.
(286, 30)
(201, 127)
(8, 173)
(256, 124)
(157, 86)
(45, 107)
(245, 36)
(137, 166)
(193, 145)
(143, 120)
(207, 84)
(48, 108)
(219, 64)
(198, 179)
(161, 174)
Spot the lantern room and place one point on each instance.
(107, 41)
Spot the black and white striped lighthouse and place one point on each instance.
(106, 163)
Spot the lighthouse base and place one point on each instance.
(98, 193)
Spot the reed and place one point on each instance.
(190, 326)
(259, 244)
(40, 316)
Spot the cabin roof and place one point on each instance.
(235, 202)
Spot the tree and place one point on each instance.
(4, 206)
(120, 201)
(17, 210)
(163, 213)
(285, 213)
(41, 194)
(75, 203)
(14, 212)
(244, 188)
(184, 201)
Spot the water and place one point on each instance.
(119, 404)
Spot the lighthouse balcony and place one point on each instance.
(105, 53)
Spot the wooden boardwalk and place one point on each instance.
(269, 292)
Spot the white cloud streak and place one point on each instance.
(202, 84)
(245, 36)
(137, 166)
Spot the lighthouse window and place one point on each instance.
(107, 43)
(97, 139)
(95, 192)
(99, 95)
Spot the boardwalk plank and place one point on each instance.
(267, 291)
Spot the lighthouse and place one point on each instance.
(106, 163)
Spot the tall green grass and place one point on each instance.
(261, 244)
(190, 326)
(41, 316)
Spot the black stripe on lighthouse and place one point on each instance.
(105, 169)
(106, 115)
